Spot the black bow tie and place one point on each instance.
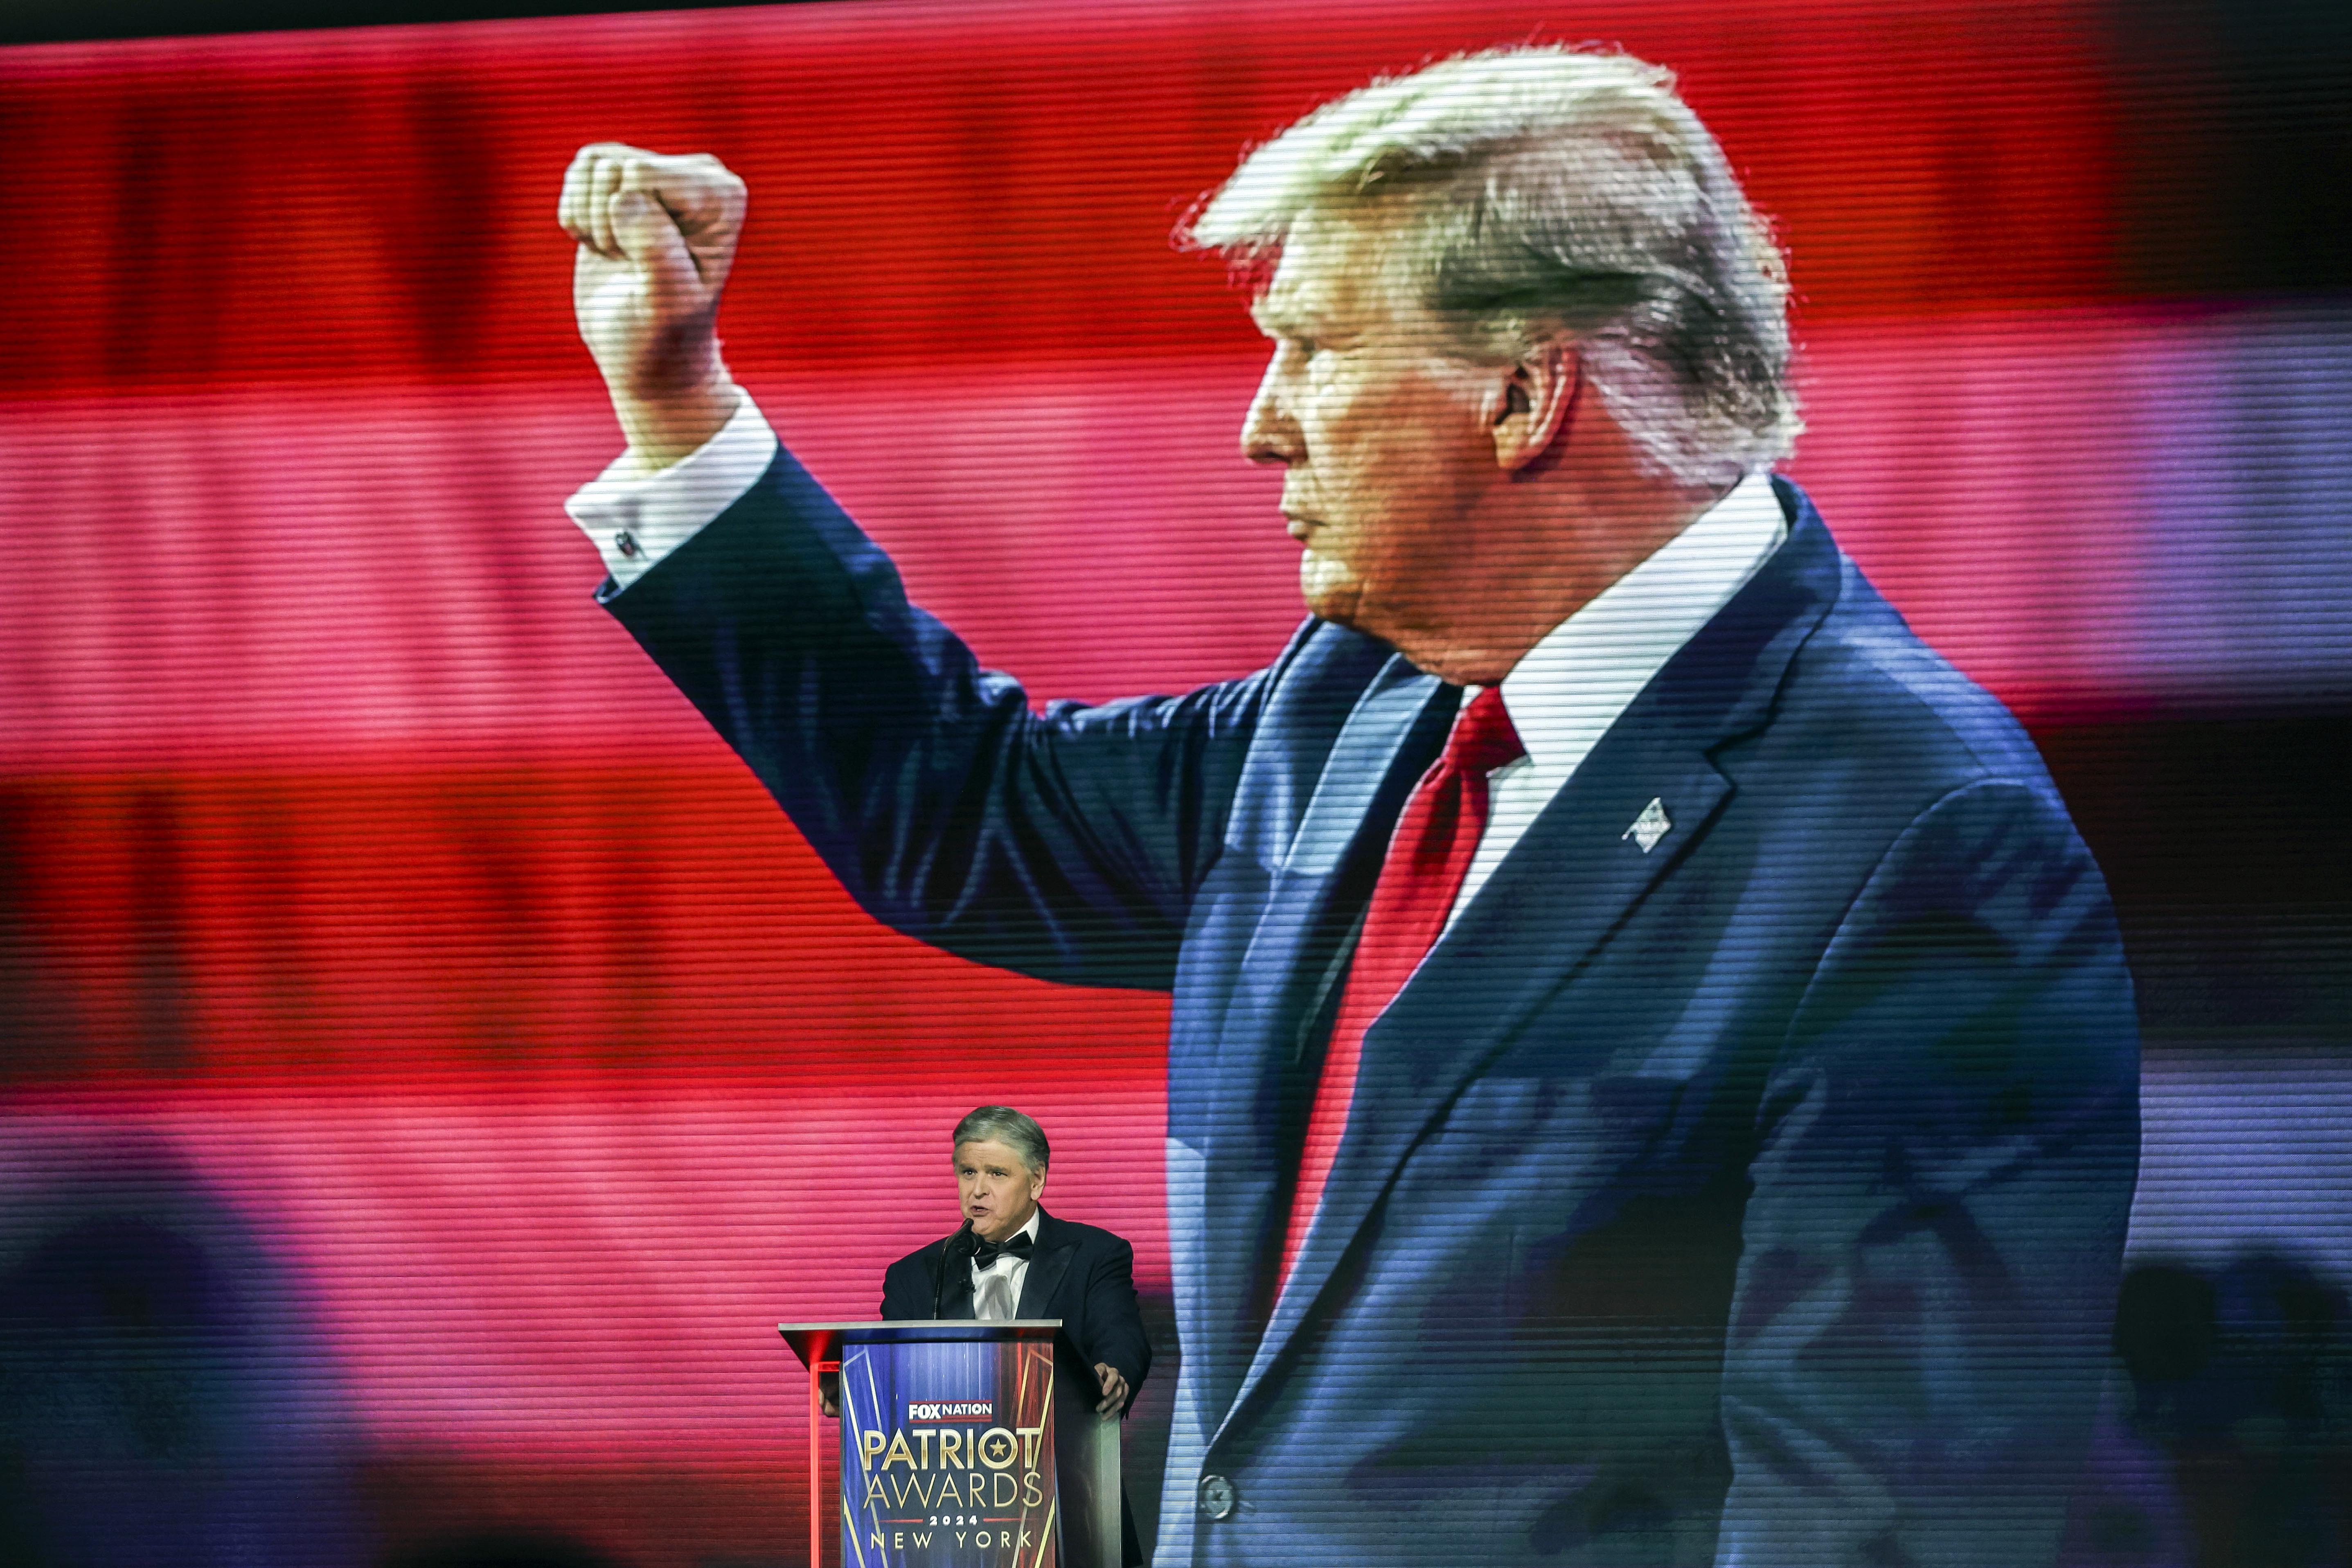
(984, 1253)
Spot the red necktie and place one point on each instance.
(1428, 854)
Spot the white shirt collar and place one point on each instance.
(1587, 670)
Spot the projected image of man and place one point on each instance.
(1652, 1071)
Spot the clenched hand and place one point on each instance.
(657, 236)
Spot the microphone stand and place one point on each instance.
(948, 1252)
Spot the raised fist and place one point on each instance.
(656, 238)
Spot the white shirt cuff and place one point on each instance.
(634, 518)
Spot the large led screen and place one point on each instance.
(431, 1064)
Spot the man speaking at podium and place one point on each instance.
(1651, 1076)
(1011, 1259)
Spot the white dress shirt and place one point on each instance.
(1561, 697)
(1571, 686)
(636, 518)
(996, 1289)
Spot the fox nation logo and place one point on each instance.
(932, 1410)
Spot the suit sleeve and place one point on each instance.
(1114, 1319)
(906, 1288)
(1945, 1155)
(1065, 845)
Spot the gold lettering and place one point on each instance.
(1030, 1437)
(1007, 1488)
(898, 1450)
(951, 1450)
(873, 1490)
(922, 1539)
(989, 1443)
(899, 1540)
(975, 1486)
(961, 1538)
(876, 1540)
(1024, 1542)
(923, 1440)
(1033, 1491)
(869, 1445)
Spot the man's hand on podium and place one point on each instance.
(1113, 1387)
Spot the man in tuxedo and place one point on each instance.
(1652, 1069)
(1012, 1259)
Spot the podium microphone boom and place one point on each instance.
(947, 1256)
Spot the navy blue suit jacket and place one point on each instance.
(1753, 1197)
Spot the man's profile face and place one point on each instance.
(1383, 429)
(998, 1190)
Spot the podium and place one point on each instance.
(968, 1444)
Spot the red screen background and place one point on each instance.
(376, 915)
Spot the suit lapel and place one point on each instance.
(1393, 730)
(1050, 1261)
(1559, 892)
(1558, 895)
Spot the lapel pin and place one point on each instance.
(1648, 827)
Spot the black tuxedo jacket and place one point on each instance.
(1079, 1273)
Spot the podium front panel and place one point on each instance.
(947, 1451)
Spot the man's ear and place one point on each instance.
(1539, 394)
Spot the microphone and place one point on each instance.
(947, 1256)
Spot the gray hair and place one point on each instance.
(1546, 191)
(1003, 1124)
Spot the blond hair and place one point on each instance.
(1545, 191)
